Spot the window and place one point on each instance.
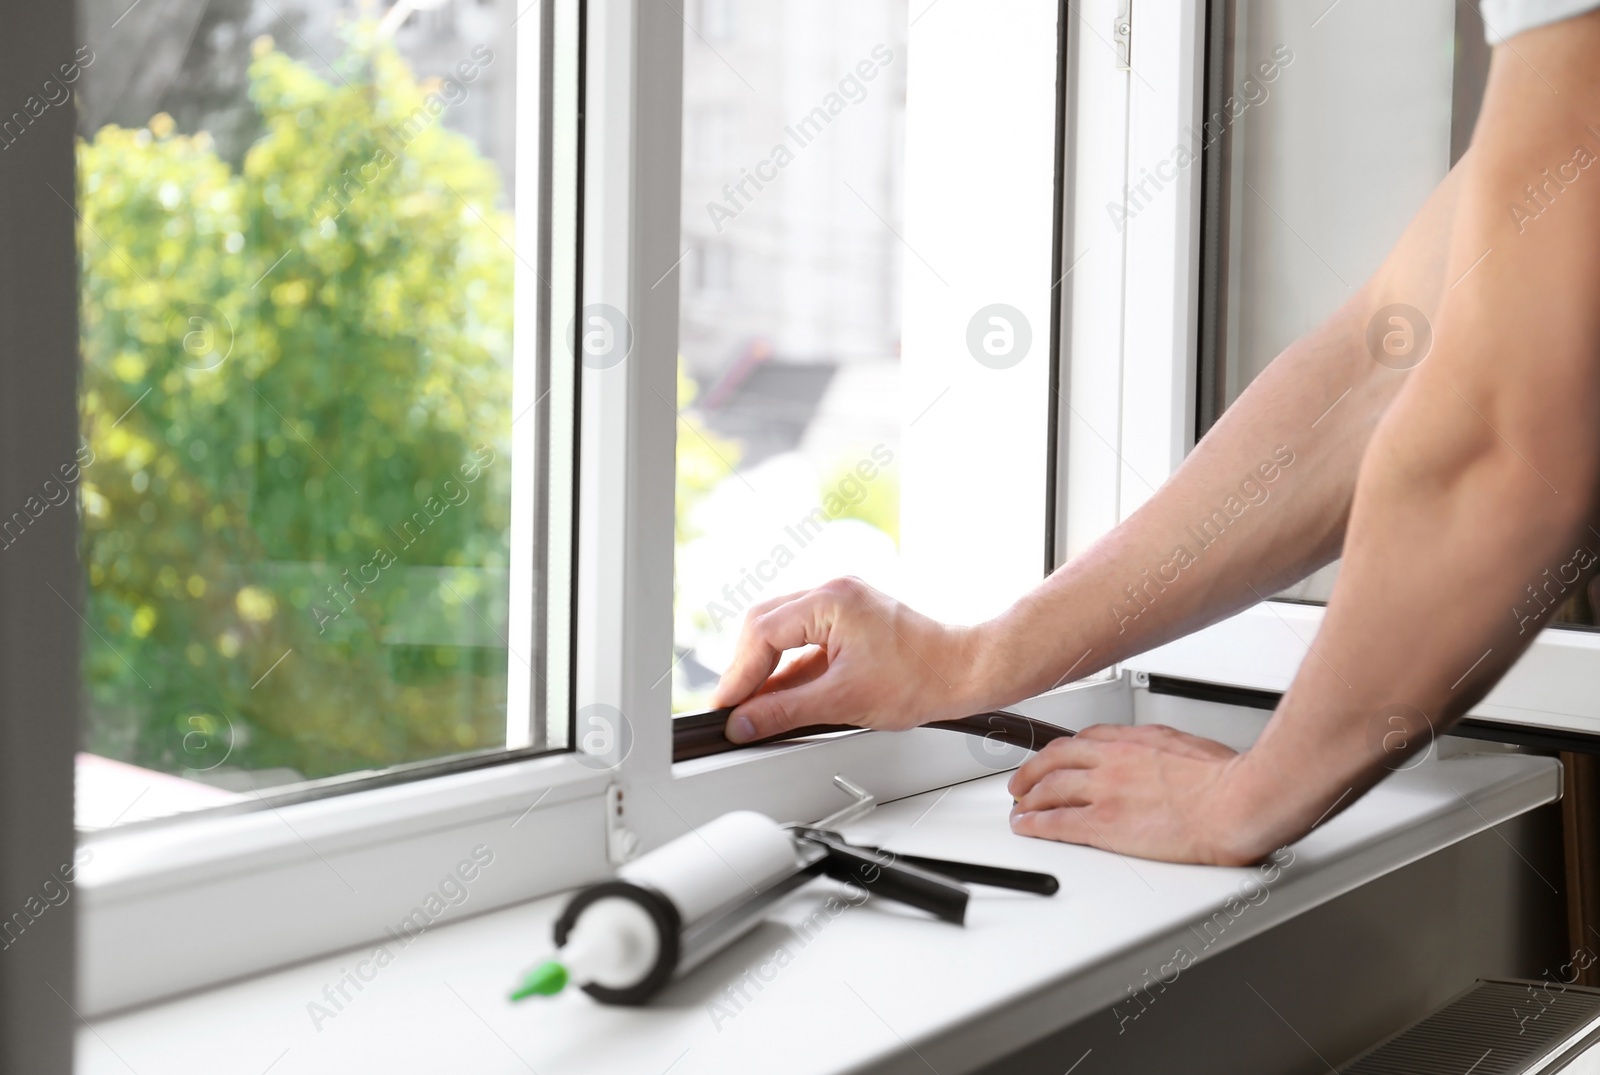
(298, 307)
(866, 334)
(717, 18)
(580, 267)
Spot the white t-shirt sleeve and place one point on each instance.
(1504, 19)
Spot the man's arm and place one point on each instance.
(1477, 491)
(1260, 503)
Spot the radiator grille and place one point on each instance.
(1494, 1028)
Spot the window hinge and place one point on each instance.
(1122, 34)
(622, 843)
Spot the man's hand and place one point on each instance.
(875, 663)
(1144, 790)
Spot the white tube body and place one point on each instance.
(718, 864)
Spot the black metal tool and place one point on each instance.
(973, 873)
(883, 875)
(929, 884)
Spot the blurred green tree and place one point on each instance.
(290, 371)
(879, 505)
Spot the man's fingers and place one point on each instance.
(1112, 732)
(1064, 787)
(1073, 752)
(750, 668)
(803, 669)
(1160, 737)
(1153, 735)
(765, 635)
(1067, 825)
(764, 607)
(778, 711)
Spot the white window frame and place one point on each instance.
(298, 880)
(1148, 413)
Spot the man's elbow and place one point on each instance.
(1491, 448)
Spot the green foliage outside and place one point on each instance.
(297, 409)
(879, 505)
(705, 459)
(355, 366)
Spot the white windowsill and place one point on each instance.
(881, 979)
(1550, 686)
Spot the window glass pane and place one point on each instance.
(864, 329)
(1298, 211)
(296, 328)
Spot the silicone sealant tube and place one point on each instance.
(623, 940)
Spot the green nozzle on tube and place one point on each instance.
(545, 980)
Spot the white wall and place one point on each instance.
(1340, 156)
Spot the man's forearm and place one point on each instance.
(1260, 503)
(1479, 488)
(1423, 621)
(1221, 535)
